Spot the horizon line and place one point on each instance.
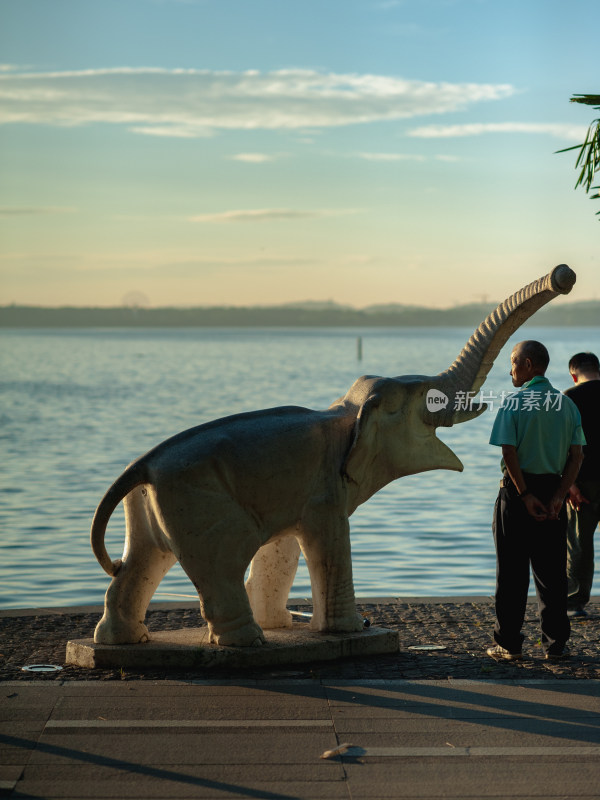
(303, 305)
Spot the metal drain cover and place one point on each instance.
(41, 668)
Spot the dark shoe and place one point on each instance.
(558, 655)
(577, 613)
(497, 651)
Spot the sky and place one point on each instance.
(259, 152)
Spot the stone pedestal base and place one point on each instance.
(188, 648)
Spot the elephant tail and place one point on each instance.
(132, 477)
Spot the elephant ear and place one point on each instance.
(360, 461)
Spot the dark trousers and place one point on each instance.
(521, 542)
(580, 543)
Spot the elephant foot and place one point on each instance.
(275, 619)
(351, 623)
(249, 635)
(120, 631)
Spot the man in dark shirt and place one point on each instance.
(583, 506)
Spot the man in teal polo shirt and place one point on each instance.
(541, 437)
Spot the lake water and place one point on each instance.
(76, 406)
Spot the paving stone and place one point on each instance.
(463, 625)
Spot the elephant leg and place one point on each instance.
(271, 576)
(216, 562)
(130, 591)
(326, 549)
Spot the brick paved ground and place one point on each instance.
(462, 625)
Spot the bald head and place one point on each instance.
(528, 359)
(536, 353)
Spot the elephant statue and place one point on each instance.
(261, 486)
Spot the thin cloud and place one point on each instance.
(172, 131)
(187, 103)
(560, 131)
(267, 215)
(253, 158)
(390, 157)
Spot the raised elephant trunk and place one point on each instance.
(471, 367)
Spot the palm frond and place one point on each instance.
(588, 160)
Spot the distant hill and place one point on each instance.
(295, 315)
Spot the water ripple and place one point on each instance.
(78, 406)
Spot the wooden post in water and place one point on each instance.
(359, 348)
